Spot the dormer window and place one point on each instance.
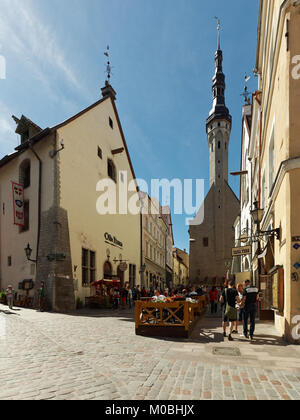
(25, 136)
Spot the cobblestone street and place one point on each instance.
(96, 355)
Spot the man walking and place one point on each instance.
(250, 299)
(42, 297)
(10, 296)
(229, 299)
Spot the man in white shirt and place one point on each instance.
(158, 297)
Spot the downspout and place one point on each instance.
(141, 254)
(39, 201)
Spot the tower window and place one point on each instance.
(205, 242)
(111, 170)
(111, 123)
(219, 145)
(219, 124)
(212, 147)
(24, 173)
(99, 152)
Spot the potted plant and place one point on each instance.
(3, 298)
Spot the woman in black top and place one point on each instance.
(229, 296)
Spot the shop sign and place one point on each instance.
(113, 240)
(295, 238)
(56, 257)
(297, 265)
(241, 251)
(18, 204)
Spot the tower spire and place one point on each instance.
(108, 89)
(219, 32)
(219, 109)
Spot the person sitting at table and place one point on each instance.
(158, 297)
(193, 293)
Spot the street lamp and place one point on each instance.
(257, 214)
(28, 252)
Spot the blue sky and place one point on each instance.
(162, 52)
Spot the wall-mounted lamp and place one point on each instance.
(28, 252)
(257, 216)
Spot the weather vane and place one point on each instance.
(246, 93)
(108, 67)
(219, 31)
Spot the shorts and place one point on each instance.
(241, 315)
(224, 317)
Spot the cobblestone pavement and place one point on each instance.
(96, 355)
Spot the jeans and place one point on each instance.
(10, 302)
(250, 311)
(213, 307)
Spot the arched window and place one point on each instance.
(107, 270)
(24, 173)
(219, 145)
(111, 170)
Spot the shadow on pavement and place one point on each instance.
(9, 312)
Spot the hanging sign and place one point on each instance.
(18, 204)
(241, 251)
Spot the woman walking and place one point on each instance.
(213, 297)
(240, 309)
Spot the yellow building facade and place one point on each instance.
(275, 153)
(180, 268)
(74, 240)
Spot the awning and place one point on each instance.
(111, 282)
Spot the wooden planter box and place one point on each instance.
(175, 319)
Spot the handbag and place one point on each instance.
(230, 312)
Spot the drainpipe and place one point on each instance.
(39, 201)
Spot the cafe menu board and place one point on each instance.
(278, 289)
(275, 287)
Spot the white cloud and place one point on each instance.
(8, 137)
(24, 33)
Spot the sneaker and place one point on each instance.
(251, 337)
(235, 332)
(230, 338)
(225, 335)
(246, 336)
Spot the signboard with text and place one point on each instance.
(241, 251)
(18, 204)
